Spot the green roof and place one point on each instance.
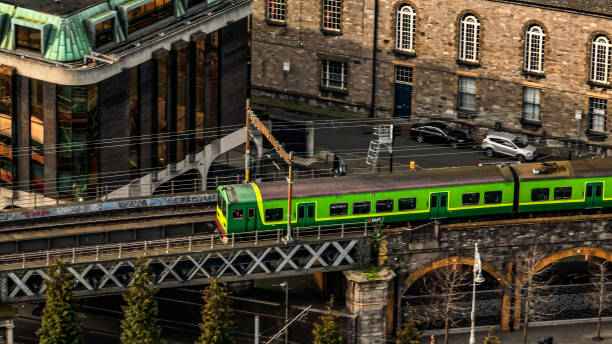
(240, 193)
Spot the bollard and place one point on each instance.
(212, 241)
(145, 247)
(48, 258)
(232, 239)
(23, 261)
(167, 245)
(190, 243)
(73, 255)
(256, 237)
(119, 250)
(342, 230)
(97, 253)
(278, 235)
(319, 232)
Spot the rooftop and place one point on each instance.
(589, 6)
(60, 8)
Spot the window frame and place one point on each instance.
(361, 207)
(465, 99)
(335, 206)
(473, 202)
(102, 33)
(268, 213)
(532, 108)
(36, 47)
(326, 73)
(600, 65)
(331, 15)
(563, 193)
(535, 40)
(280, 11)
(469, 38)
(597, 121)
(386, 203)
(405, 28)
(497, 192)
(534, 192)
(406, 200)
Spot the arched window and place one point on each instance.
(468, 38)
(404, 35)
(600, 59)
(534, 49)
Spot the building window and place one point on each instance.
(37, 137)
(331, 14)
(334, 74)
(404, 36)
(6, 126)
(403, 75)
(534, 49)
(105, 32)
(148, 14)
(531, 103)
(600, 60)
(468, 38)
(276, 10)
(597, 114)
(27, 38)
(467, 93)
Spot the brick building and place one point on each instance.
(95, 93)
(527, 65)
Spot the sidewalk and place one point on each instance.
(562, 334)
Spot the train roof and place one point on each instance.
(353, 184)
(564, 169)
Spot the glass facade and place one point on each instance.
(27, 38)
(148, 14)
(37, 137)
(6, 126)
(181, 118)
(134, 124)
(77, 127)
(200, 88)
(162, 123)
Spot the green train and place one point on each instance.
(421, 195)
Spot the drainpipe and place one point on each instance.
(374, 53)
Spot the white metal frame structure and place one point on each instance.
(469, 38)
(405, 28)
(534, 49)
(600, 59)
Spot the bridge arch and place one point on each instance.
(454, 260)
(571, 252)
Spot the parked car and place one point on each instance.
(508, 144)
(437, 132)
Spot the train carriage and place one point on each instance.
(565, 185)
(421, 195)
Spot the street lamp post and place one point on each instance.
(477, 279)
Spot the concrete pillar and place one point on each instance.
(50, 129)
(23, 132)
(9, 332)
(366, 298)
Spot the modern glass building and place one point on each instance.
(94, 93)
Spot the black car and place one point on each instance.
(438, 132)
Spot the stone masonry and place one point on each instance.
(287, 59)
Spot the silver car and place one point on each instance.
(508, 144)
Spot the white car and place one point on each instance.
(508, 144)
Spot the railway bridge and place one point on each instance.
(183, 250)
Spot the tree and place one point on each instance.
(60, 323)
(446, 286)
(327, 331)
(409, 334)
(600, 275)
(491, 339)
(532, 280)
(139, 324)
(217, 321)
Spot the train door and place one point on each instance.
(251, 220)
(306, 214)
(593, 195)
(438, 205)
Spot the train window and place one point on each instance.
(598, 190)
(301, 212)
(251, 213)
(384, 205)
(472, 198)
(539, 195)
(223, 205)
(492, 197)
(338, 209)
(589, 192)
(362, 207)
(563, 193)
(311, 211)
(274, 214)
(237, 214)
(406, 203)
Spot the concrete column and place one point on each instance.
(366, 298)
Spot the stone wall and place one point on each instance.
(499, 73)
